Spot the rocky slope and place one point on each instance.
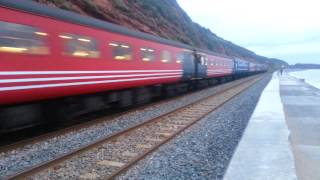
(163, 18)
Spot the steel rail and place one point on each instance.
(154, 148)
(62, 158)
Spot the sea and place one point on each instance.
(311, 77)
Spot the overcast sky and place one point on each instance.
(284, 29)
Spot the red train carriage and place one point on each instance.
(212, 65)
(219, 66)
(48, 53)
(45, 58)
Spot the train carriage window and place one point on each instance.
(179, 57)
(80, 46)
(147, 54)
(201, 60)
(204, 60)
(22, 39)
(165, 56)
(212, 62)
(121, 51)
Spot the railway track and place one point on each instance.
(110, 156)
(63, 130)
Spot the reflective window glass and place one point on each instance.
(121, 51)
(204, 60)
(212, 62)
(17, 38)
(80, 46)
(147, 54)
(179, 57)
(165, 56)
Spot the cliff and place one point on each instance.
(305, 66)
(164, 18)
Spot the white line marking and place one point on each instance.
(80, 83)
(82, 72)
(82, 77)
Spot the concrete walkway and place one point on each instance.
(264, 151)
(302, 110)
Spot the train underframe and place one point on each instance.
(60, 110)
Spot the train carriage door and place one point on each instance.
(188, 63)
(201, 65)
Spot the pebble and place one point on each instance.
(33, 154)
(204, 150)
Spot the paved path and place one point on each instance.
(264, 152)
(302, 111)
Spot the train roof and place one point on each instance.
(56, 13)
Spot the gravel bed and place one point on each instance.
(204, 150)
(88, 163)
(92, 163)
(30, 155)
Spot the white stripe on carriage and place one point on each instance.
(219, 69)
(83, 77)
(80, 83)
(220, 72)
(83, 72)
